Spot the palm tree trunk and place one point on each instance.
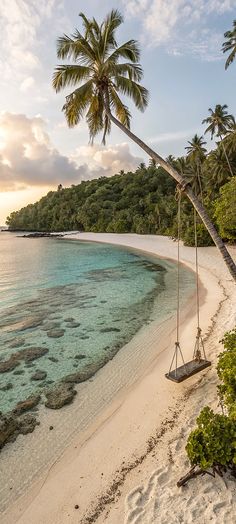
(186, 188)
(226, 156)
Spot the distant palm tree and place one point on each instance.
(196, 148)
(220, 123)
(141, 166)
(180, 165)
(170, 160)
(230, 45)
(218, 167)
(230, 141)
(99, 76)
(196, 152)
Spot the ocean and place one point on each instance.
(69, 306)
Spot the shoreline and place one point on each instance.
(125, 441)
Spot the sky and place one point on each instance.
(183, 69)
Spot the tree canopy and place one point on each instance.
(142, 201)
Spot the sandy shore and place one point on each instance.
(124, 469)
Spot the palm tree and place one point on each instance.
(100, 72)
(220, 123)
(230, 141)
(193, 174)
(218, 167)
(196, 149)
(196, 153)
(230, 45)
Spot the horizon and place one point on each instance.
(37, 149)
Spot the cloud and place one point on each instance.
(173, 137)
(111, 159)
(25, 39)
(28, 158)
(27, 84)
(181, 26)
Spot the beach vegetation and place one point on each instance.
(211, 446)
(225, 210)
(142, 201)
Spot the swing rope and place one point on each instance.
(177, 344)
(199, 340)
(190, 368)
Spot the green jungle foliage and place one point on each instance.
(144, 201)
(225, 210)
(213, 442)
(226, 370)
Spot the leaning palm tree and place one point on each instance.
(101, 71)
(230, 45)
(220, 123)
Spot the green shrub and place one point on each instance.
(213, 443)
(203, 237)
(226, 369)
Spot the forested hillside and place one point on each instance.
(143, 201)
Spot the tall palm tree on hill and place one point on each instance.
(101, 71)
(230, 45)
(220, 123)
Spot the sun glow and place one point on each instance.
(15, 200)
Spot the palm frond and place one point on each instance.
(77, 103)
(136, 92)
(132, 71)
(92, 33)
(95, 115)
(129, 50)
(113, 20)
(230, 45)
(69, 75)
(121, 110)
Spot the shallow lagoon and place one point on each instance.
(79, 302)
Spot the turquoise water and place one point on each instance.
(73, 305)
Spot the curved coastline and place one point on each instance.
(118, 434)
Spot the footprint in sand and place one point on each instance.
(141, 501)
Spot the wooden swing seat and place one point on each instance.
(185, 371)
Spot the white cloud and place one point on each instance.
(171, 136)
(27, 84)
(28, 158)
(23, 35)
(112, 158)
(170, 23)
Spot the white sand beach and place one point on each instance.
(124, 468)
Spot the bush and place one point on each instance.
(213, 443)
(203, 237)
(225, 207)
(226, 370)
